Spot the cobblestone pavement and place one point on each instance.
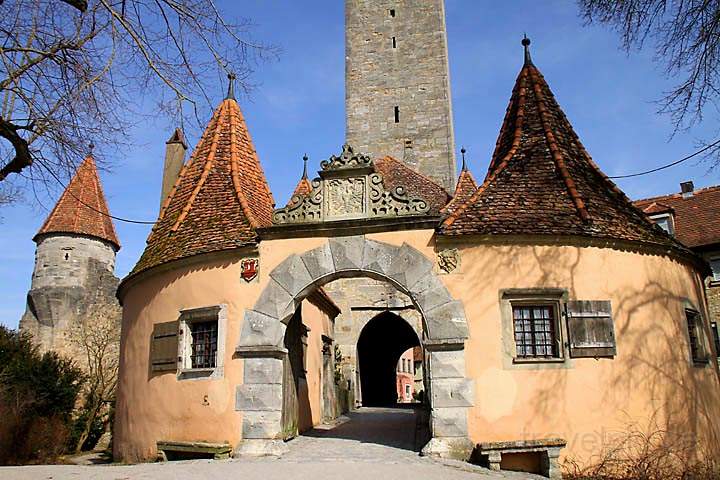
(371, 444)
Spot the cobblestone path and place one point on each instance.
(370, 444)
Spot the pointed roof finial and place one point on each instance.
(91, 147)
(231, 86)
(526, 43)
(305, 160)
(464, 165)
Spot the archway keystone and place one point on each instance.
(445, 326)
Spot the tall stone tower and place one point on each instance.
(74, 263)
(397, 84)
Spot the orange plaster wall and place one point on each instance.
(650, 383)
(153, 407)
(318, 322)
(651, 377)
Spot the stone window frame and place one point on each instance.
(701, 357)
(195, 315)
(557, 297)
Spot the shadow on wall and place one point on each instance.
(651, 385)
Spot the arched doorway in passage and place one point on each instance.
(381, 344)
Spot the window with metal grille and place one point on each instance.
(535, 331)
(204, 344)
(696, 348)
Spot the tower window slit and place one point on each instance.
(392, 12)
(394, 42)
(397, 114)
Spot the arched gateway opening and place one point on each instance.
(262, 339)
(384, 369)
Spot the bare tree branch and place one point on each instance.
(71, 76)
(686, 38)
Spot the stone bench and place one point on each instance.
(549, 450)
(171, 450)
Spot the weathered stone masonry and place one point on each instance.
(396, 57)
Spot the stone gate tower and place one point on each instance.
(74, 263)
(397, 84)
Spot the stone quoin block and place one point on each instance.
(292, 275)
(377, 257)
(347, 252)
(447, 364)
(274, 300)
(319, 262)
(261, 424)
(449, 422)
(263, 371)
(452, 392)
(433, 298)
(409, 266)
(447, 321)
(259, 329)
(258, 397)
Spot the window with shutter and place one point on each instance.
(591, 329)
(164, 347)
(202, 342)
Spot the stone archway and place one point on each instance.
(259, 398)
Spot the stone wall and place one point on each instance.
(360, 300)
(396, 57)
(73, 277)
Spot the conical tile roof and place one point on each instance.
(464, 189)
(82, 208)
(542, 181)
(219, 199)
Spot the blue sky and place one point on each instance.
(298, 107)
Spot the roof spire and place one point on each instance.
(305, 160)
(464, 165)
(91, 147)
(231, 86)
(526, 43)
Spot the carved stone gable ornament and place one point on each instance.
(249, 268)
(449, 259)
(349, 188)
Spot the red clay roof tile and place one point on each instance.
(464, 189)
(397, 174)
(219, 199)
(82, 208)
(696, 219)
(542, 181)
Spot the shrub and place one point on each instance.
(38, 393)
(638, 455)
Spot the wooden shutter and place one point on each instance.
(591, 329)
(164, 347)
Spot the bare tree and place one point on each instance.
(686, 37)
(95, 341)
(74, 72)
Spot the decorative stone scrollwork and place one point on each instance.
(393, 203)
(347, 159)
(346, 190)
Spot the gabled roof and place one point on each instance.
(696, 218)
(397, 174)
(655, 208)
(464, 189)
(82, 208)
(219, 199)
(542, 181)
